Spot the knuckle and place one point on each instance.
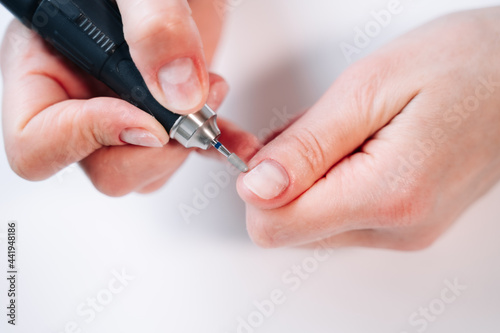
(309, 149)
(102, 118)
(367, 76)
(366, 84)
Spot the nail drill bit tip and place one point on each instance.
(231, 157)
(237, 163)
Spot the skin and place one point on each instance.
(389, 157)
(384, 159)
(55, 114)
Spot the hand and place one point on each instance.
(396, 149)
(54, 114)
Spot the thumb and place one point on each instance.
(357, 105)
(166, 46)
(69, 131)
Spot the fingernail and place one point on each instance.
(180, 84)
(267, 180)
(140, 137)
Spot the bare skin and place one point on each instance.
(55, 115)
(400, 145)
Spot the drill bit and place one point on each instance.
(231, 157)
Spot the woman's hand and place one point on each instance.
(400, 145)
(54, 114)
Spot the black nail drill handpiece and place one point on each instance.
(90, 33)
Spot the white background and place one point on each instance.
(201, 276)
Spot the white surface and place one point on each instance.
(200, 277)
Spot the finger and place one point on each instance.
(209, 20)
(351, 197)
(358, 104)
(166, 46)
(70, 131)
(218, 91)
(43, 130)
(274, 134)
(117, 171)
(238, 141)
(333, 205)
(24, 53)
(377, 188)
